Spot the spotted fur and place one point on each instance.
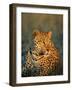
(44, 54)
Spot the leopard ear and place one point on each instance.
(35, 32)
(49, 35)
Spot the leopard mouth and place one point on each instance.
(41, 55)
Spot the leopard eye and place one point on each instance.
(43, 42)
(48, 50)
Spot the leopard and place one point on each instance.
(44, 55)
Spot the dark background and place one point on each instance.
(45, 23)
